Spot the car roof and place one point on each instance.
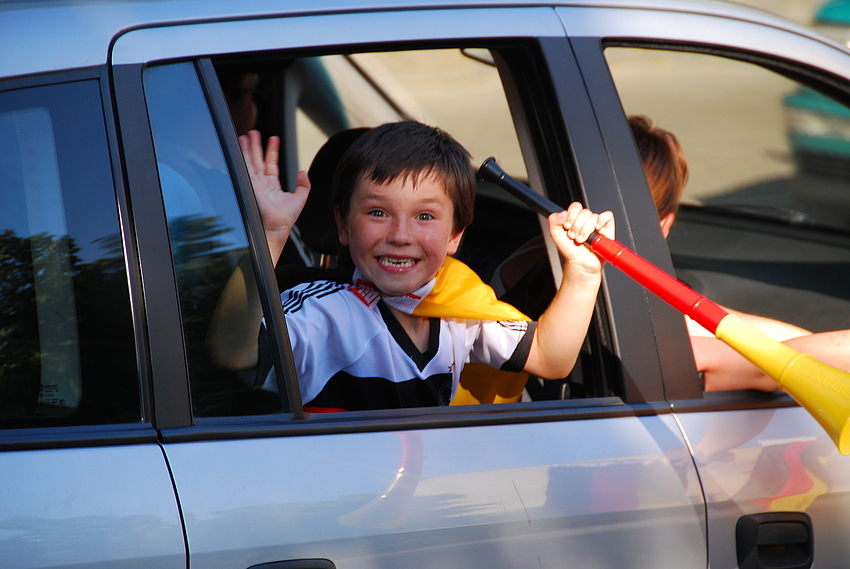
(48, 35)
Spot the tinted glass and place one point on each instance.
(206, 231)
(67, 350)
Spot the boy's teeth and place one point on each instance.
(397, 262)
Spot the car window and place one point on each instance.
(764, 225)
(67, 348)
(432, 86)
(307, 100)
(207, 235)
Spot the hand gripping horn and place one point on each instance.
(822, 390)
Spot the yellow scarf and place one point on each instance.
(455, 292)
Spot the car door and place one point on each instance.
(84, 481)
(603, 479)
(759, 112)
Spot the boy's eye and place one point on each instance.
(425, 217)
(376, 213)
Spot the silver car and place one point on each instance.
(126, 204)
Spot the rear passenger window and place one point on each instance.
(67, 349)
(764, 226)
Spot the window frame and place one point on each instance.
(571, 136)
(533, 120)
(101, 434)
(680, 384)
(165, 365)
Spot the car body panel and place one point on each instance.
(770, 460)
(140, 46)
(116, 501)
(791, 43)
(447, 498)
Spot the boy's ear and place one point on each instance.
(341, 228)
(667, 223)
(454, 242)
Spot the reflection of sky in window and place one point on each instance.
(193, 173)
(55, 170)
(28, 161)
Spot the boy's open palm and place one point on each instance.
(279, 209)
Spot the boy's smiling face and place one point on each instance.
(399, 233)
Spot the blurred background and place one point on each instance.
(800, 11)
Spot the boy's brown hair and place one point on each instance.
(408, 149)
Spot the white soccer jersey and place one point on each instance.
(351, 353)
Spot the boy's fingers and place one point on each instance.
(581, 226)
(579, 222)
(605, 225)
(587, 227)
(572, 213)
(255, 147)
(272, 156)
(302, 181)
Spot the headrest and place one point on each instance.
(316, 222)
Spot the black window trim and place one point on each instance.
(678, 373)
(412, 419)
(131, 253)
(628, 305)
(165, 367)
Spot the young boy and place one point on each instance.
(403, 196)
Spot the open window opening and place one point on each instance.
(307, 100)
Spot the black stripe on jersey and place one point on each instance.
(295, 297)
(402, 338)
(345, 391)
(518, 325)
(519, 358)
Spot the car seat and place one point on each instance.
(316, 226)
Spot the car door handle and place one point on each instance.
(297, 564)
(778, 540)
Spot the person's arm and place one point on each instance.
(235, 326)
(725, 369)
(563, 326)
(776, 329)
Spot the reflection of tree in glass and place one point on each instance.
(198, 251)
(110, 390)
(203, 263)
(19, 353)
